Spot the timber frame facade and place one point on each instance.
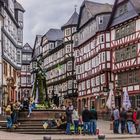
(59, 62)
(92, 55)
(124, 27)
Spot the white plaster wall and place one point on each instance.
(137, 24)
(113, 34)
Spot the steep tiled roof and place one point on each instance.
(97, 8)
(136, 4)
(131, 13)
(54, 34)
(92, 10)
(19, 7)
(72, 21)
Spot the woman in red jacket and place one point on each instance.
(135, 118)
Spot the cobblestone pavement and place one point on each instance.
(102, 125)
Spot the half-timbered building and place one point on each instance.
(92, 52)
(125, 35)
(59, 62)
(25, 75)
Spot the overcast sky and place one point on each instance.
(42, 15)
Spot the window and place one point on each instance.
(122, 32)
(19, 56)
(83, 85)
(20, 35)
(28, 68)
(88, 84)
(128, 78)
(68, 49)
(78, 69)
(68, 32)
(28, 79)
(69, 66)
(125, 30)
(93, 82)
(126, 53)
(101, 38)
(101, 20)
(134, 51)
(123, 9)
(73, 29)
(20, 16)
(51, 46)
(23, 67)
(70, 84)
(23, 80)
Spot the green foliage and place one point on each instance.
(41, 89)
(34, 90)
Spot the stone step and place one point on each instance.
(43, 114)
(34, 124)
(43, 133)
(33, 129)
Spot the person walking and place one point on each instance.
(86, 120)
(116, 116)
(123, 118)
(93, 120)
(75, 120)
(138, 120)
(130, 121)
(69, 112)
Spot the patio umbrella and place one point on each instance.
(126, 101)
(111, 100)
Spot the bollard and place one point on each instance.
(47, 138)
(101, 137)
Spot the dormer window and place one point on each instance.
(101, 20)
(51, 46)
(123, 9)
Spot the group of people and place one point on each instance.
(126, 121)
(12, 113)
(86, 121)
(13, 108)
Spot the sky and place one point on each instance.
(41, 15)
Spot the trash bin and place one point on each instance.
(47, 138)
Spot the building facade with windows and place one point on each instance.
(52, 56)
(92, 55)
(125, 45)
(11, 36)
(25, 76)
(59, 62)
